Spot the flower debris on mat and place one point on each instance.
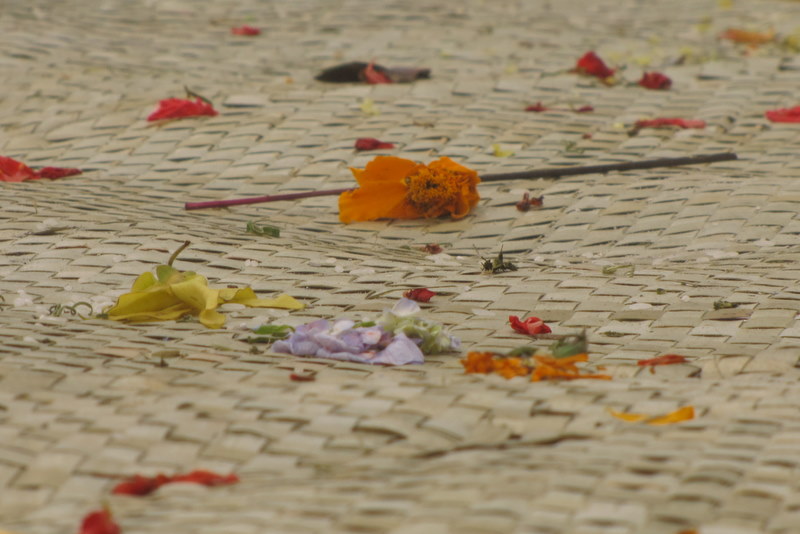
(397, 188)
(177, 108)
(171, 294)
(498, 264)
(686, 413)
(246, 30)
(783, 114)
(750, 38)
(398, 337)
(139, 485)
(370, 143)
(590, 64)
(357, 71)
(665, 122)
(527, 202)
(431, 248)
(264, 229)
(666, 359)
(538, 107)
(655, 80)
(270, 333)
(530, 326)
(524, 361)
(12, 170)
(99, 522)
(420, 294)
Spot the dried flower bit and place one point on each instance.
(612, 269)
(724, 305)
(12, 170)
(370, 143)
(497, 264)
(308, 376)
(665, 123)
(56, 310)
(785, 115)
(432, 248)
(572, 146)
(590, 64)
(527, 202)
(270, 333)
(177, 108)
(368, 107)
(750, 38)
(99, 522)
(529, 327)
(246, 30)
(684, 413)
(359, 71)
(666, 359)
(500, 152)
(655, 80)
(420, 294)
(265, 229)
(570, 345)
(538, 107)
(524, 351)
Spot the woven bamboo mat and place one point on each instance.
(419, 449)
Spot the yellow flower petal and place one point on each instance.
(685, 413)
(498, 151)
(248, 297)
(196, 293)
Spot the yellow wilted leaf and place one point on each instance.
(171, 294)
(368, 107)
(685, 413)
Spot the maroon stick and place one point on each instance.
(526, 175)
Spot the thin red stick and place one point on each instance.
(267, 198)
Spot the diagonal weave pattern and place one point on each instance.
(419, 449)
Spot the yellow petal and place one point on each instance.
(196, 293)
(248, 298)
(211, 319)
(498, 151)
(685, 413)
(143, 302)
(145, 281)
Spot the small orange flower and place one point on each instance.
(478, 362)
(397, 188)
(510, 367)
(549, 368)
(747, 37)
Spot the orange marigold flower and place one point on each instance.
(397, 188)
(549, 368)
(510, 367)
(478, 362)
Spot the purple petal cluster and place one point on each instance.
(343, 341)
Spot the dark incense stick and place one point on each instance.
(524, 175)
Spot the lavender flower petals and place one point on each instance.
(401, 351)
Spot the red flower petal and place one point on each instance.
(99, 522)
(206, 478)
(666, 359)
(655, 80)
(245, 30)
(527, 202)
(139, 485)
(591, 65)
(57, 172)
(421, 294)
(12, 170)
(536, 108)
(784, 114)
(373, 76)
(584, 109)
(175, 108)
(659, 123)
(370, 143)
(530, 326)
(432, 248)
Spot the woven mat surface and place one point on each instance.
(420, 449)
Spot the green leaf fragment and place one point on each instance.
(265, 229)
(570, 346)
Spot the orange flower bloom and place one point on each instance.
(478, 362)
(549, 368)
(397, 188)
(510, 367)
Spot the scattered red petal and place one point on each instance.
(784, 114)
(139, 485)
(370, 143)
(303, 377)
(432, 248)
(245, 30)
(666, 359)
(659, 123)
(176, 108)
(590, 64)
(655, 80)
(373, 76)
(536, 108)
(586, 136)
(527, 202)
(420, 294)
(12, 170)
(530, 326)
(99, 522)
(57, 172)
(584, 109)
(206, 478)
